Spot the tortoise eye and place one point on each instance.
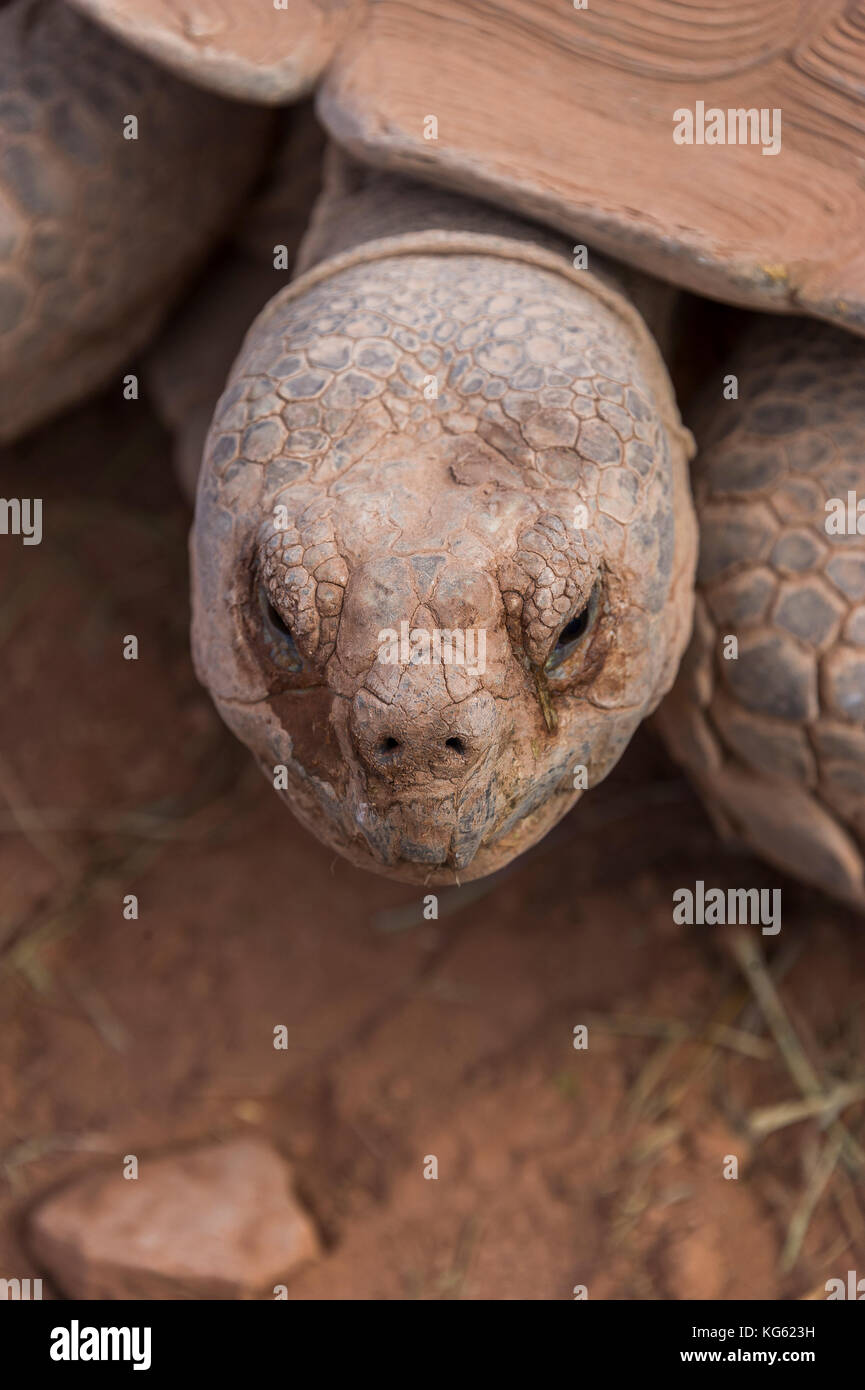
(280, 634)
(573, 632)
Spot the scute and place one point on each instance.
(248, 49)
(567, 115)
(774, 734)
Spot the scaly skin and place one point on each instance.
(452, 513)
(775, 739)
(98, 233)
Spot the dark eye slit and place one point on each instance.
(281, 636)
(574, 629)
(277, 621)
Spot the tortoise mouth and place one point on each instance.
(441, 829)
(494, 851)
(425, 838)
(419, 855)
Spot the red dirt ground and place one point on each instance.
(407, 1037)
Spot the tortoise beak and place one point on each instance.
(441, 832)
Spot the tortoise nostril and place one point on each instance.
(411, 742)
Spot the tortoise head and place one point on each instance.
(442, 555)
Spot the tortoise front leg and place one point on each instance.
(768, 713)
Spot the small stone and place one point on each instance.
(216, 1222)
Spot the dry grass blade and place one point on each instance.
(753, 967)
(827, 1107)
(750, 959)
(27, 819)
(716, 1034)
(801, 1219)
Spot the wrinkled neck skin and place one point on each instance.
(443, 549)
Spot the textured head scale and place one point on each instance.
(443, 549)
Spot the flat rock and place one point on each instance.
(216, 1222)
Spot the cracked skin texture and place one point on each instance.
(338, 500)
(775, 740)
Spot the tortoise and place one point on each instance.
(444, 555)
